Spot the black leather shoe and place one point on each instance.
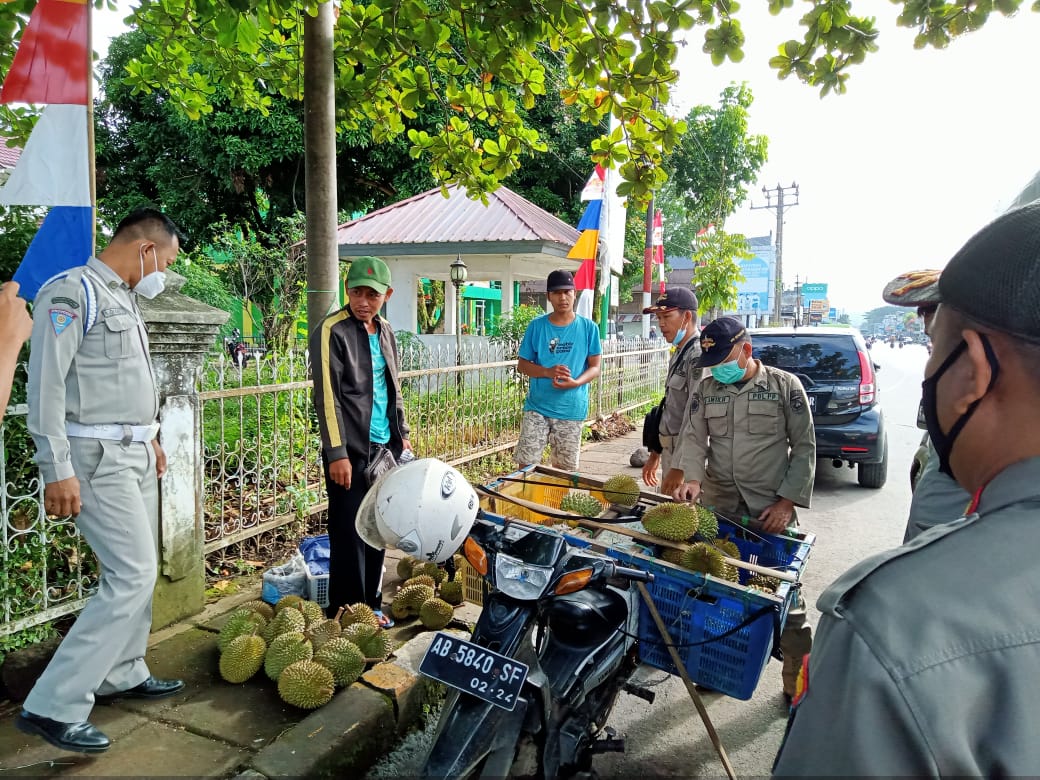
(152, 688)
(77, 737)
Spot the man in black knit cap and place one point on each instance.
(926, 657)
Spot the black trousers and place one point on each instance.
(355, 569)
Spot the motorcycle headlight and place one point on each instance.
(520, 580)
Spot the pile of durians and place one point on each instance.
(308, 654)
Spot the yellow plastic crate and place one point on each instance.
(545, 489)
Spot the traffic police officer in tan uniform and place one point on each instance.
(927, 657)
(93, 410)
(749, 448)
(676, 312)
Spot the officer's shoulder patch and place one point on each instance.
(797, 401)
(695, 403)
(764, 396)
(65, 300)
(61, 319)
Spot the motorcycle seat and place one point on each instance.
(587, 615)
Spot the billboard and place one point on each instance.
(817, 291)
(753, 292)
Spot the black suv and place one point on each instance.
(838, 374)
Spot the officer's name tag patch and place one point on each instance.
(116, 312)
(765, 396)
(61, 319)
(716, 399)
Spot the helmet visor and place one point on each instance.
(365, 521)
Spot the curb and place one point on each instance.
(359, 726)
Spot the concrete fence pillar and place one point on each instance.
(181, 331)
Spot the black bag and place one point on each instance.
(380, 461)
(652, 429)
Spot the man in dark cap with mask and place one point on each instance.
(927, 655)
(676, 311)
(937, 498)
(748, 447)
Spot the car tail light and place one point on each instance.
(866, 383)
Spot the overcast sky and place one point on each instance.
(924, 148)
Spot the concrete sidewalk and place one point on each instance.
(215, 729)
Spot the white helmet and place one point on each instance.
(424, 508)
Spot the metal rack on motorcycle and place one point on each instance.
(724, 631)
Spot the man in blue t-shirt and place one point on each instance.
(561, 354)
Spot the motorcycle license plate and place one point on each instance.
(475, 670)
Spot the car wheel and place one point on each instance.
(873, 475)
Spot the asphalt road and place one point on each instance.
(667, 738)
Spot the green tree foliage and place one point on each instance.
(712, 164)
(18, 225)
(716, 271)
(271, 275)
(243, 166)
(709, 171)
(511, 326)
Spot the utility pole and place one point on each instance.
(779, 206)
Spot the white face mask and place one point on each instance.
(153, 283)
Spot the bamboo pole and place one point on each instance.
(690, 687)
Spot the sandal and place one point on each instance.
(385, 621)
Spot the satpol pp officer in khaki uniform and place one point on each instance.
(926, 659)
(748, 447)
(676, 312)
(936, 497)
(93, 410)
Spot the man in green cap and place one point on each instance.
(357, 398)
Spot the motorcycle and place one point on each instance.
(554, 646)
(237, 349)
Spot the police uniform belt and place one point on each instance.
(113, 432)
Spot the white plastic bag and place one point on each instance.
(289, 579)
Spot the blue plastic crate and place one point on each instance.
(695, 609)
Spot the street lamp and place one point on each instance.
(458, 278)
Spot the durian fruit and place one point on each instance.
(312, 613)
(435, 613)
(358, 613)
(707, 523)
(408, 600)
(676, 522)
(730, 572)
(306, 684)
(288, 601)
(284, 650)
(404, 567)
(621, 489)
(672, 555)
(286, 620)
(242, 621)
(342, 658)
(581, 504)
(763, 582)
(728, 548)
(452, 592)
(320, 633)
(262, 607)
(374, 643)
(242, 658)
(705, 559)
(459, 559)
(422, 579)
(431, 570)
